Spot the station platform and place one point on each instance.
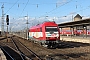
(2, 56)
(75, 39)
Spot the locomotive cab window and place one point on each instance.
(54, 29)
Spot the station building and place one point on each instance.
(78, 24)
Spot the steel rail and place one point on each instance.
(29, 50)
(21, 54)
(17, 49)
(7, 53)
(18, 52)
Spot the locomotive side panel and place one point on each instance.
(35, 33)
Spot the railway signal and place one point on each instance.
(7, 19)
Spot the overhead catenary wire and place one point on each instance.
(11, 6)
(37, 5)
(88, 7)
(56, 8)
(24, 7)
(59, 6)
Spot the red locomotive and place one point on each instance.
(46, 34)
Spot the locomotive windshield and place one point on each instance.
(54, 29)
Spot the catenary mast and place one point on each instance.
(2, 20)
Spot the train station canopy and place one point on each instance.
(82, 22)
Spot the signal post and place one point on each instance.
(7, 21)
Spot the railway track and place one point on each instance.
(66, 53)
(10, 53)
(24, 50)
(47, 53)
(14, 46)
(70, 51)
(7, 54)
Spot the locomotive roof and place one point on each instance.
(44, 23)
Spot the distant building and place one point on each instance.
(77, 17)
